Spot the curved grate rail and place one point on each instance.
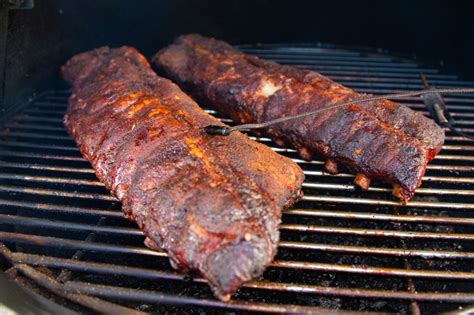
(341, 249)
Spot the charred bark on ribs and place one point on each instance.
(379, 140)
(212, 203)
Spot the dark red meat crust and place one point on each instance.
(380, 140)
(212, 203)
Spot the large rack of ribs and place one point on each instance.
(212, 203)
(379, 140)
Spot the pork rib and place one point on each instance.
(377, 140)
(212, 203)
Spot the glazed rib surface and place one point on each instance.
(212, 203)
(379, 140)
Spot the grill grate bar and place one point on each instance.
(451, 97)
(38, 146)
(374, 233)
(452, 108)
(366, 70)
(61, 105)
(38, 119)
(302, 49)
(379, 202)
(286, 287)
(464, 122)
(460, 192)
(57, 193)
(63, 225)
(451, 168)
(444, 147)
(19, 125)
(43, 112)
(56, 180)
(379, 216)
(44, 223)
(365, 63)
(457, 138)
(415, 80)
(60, 208)
(467, 115)
(429, 166)
(378, 75)
(361, 250)
(34, 135)
(41, 156)
(306, 56)
(360, 84)
(76, 245)
(30, 166)
(48, 241)
(443, 179)
(458, 147)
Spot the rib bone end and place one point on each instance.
(362, 181)
(331, 166)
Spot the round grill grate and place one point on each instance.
(341, 249)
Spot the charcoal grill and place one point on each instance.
(63, 235)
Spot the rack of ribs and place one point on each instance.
(379, 140)
(212, 203)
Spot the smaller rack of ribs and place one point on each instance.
(212, 203)
(379, 140)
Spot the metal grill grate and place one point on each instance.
(341, 249)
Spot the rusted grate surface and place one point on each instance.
(341, 249)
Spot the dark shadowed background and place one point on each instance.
(34, 42)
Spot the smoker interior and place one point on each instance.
(341, 249)
(62, 235)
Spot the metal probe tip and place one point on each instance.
(218, 130)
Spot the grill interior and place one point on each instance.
(63, 234)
